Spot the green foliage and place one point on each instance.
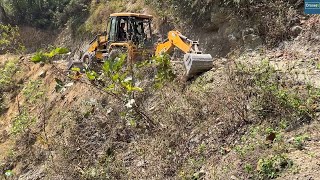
(248, 168)
(6, 74)
(40, 13)
(76, 69)
(164, 70)
(120, 80)
(39, 57)
(9, 38)
(33, 92)
(44, 57)
(6, 80)
(57, 51)
(8, 173)
(272, 95)
(300, 140)
(271, 167)
(91, 75)
(22, 122)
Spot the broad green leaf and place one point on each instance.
(92, 75)
(75, 69)
(115, 77)
(110, 87)
(137, 89)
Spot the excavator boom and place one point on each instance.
(195, 61)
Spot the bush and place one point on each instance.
(22, 122)
(9, 38)
(271, 167)
(43, 57)
(45, 13)
(6, 75)
(272, 96)
(6, 81)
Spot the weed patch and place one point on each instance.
(271, 167)
(22, 122)
(33, 91)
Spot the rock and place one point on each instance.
(141, 163)
(247, 31)
(218, 17)
(42, 64)
(43, 74)
(252, 41)
(232, 39)
(4, 136)
(296, 30)
(234, 177)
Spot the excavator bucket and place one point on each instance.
(197, 63)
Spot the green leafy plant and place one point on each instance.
(45, 56)
(91, 75)
(300, 140)
(164, 70)
(57, 51)
(271, 167)
(6, 81)
(273, 97)
(119, 79)
(32, 91)
(21, 122)
(39, 57)
(248, 168)
(9, 38)
(6, 74)
(8, 173)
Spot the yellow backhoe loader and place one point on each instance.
(131, 33)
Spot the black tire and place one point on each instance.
(86, 60)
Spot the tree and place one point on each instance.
(3, 15)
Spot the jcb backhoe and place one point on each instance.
(131, 33)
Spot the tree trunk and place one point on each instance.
(3, 16)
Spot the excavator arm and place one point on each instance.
(194, 60)
(175, 39)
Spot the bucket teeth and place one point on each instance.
(197, 63)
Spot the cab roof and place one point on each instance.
(131, 15)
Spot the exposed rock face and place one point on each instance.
(250, 39)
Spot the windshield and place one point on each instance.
(139, 31)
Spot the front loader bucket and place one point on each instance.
(197, 63)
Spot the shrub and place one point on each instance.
(272, 97)
(9, 38)
(271, 167)
(22, 122)
(44, 57)
(32, 91)
(6, 75)
(300, 140)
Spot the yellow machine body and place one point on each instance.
(139, 43)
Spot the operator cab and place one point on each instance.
(130, 27)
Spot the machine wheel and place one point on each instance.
(87, 60)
